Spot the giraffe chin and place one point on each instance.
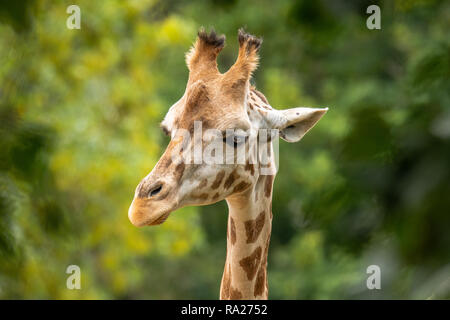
(142, 214)
(159, 220)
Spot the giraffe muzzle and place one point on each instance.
(152, 203)
(146, 212)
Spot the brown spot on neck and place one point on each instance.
(235, 294)
(268, 186)
(260, 282)
(227, 291)
(250, 263)
(241, 187)
(261, 278)
(226, 283)
(218, 180)
(250, 167)
(254, 227)
(230, 180)
(232, 231)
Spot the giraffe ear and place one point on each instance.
(296, 122)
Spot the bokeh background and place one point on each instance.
(79, 115)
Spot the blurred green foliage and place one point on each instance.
(79, 112)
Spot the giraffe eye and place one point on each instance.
(235, 140)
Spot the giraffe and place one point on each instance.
(223, 103)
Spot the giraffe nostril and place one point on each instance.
(155, 191)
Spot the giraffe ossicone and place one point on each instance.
(231, 157)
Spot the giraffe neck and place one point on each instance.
(248, 236)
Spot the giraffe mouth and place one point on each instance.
(159, 220)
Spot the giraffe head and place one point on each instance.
(219, 129)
